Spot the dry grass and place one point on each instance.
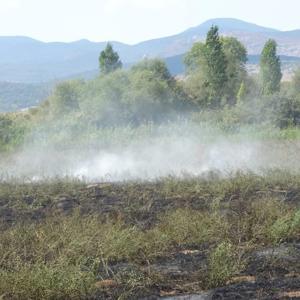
(71, 256)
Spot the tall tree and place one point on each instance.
(216, 64)
(109, 60)
(236, 57)
(216, 69)
(207, 67)
(270, 68)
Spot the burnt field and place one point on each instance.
(208, 237)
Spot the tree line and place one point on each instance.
(216, 69)
(217, 80)
(216, 89)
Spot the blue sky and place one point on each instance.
(131, 21)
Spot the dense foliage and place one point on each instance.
(216, 90)
(216, 71)
(270, 69)
(109, 60)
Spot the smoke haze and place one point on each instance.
(168, 152)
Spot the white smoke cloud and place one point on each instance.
(154, 157)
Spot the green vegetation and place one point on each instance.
(16, 96)
(270, 70)
(217, 91)
(216, 76)
(65, 239)
(109, 60)
(69, 239)
(203, 84)
(223, 263)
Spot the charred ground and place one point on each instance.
(213, 237)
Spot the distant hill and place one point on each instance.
(17, 96)
(288, 64)
(30, 68)
(27, 60)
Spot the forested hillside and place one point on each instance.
(17, 96)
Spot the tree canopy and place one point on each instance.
(216, 69)
(270, 68)
(109, 60)
(216, 64)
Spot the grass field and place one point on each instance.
(67, 239)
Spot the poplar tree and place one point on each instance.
(216, 64)
(270, 68)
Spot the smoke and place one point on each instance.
(185, 157)
(176, 151)
(176, 157)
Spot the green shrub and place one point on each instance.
(42, 281)
(224, 262)
(285, 227)
(186, 227)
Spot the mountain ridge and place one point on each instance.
(27, 60)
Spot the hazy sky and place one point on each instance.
(132, 21)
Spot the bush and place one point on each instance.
(42, 281)
(224, 262)
(186, 227)
(285, 227)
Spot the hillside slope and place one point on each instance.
(24, 59)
